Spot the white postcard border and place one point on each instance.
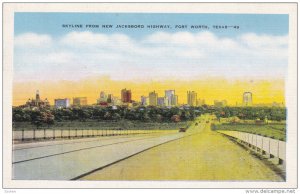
(249, 8)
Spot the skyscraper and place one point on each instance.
(161, 101)
(192, 98)
(102, 97)
(62, 103)
(200, 102)
(153, 98)
(145, 100)
(172, 99)
(247, 99)
(109, 98)
(80, 101)
(126, 96)
(220, 103)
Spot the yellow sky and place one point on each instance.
(210, 89)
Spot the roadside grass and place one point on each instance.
(275, 131)
(103, 125)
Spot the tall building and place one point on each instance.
(162, 101)
(126, 96)
(116, 101)
(172, 99)
(153, 98)
(247, 99)
(110, 98)
(200, 102)
(221, 103)
(80, 101)
(37, 102)
(192, 98)
(102, 98)
(37, 96)
(62, 103)
(145, 100)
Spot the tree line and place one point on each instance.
(96, 113)
(252, 113)
(145, 114)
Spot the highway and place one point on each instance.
(198, 154)
(203, 156)
(71, 159)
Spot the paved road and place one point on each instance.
(203, 156)
(68, 159)
(198, 154)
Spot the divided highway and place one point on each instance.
(206, 156)
(198, 154)
(71, 159)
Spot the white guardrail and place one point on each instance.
(21, 135)
(267, 145)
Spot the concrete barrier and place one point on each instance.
(274, 147)
(21, 135)
(268, 146)
(259, 141)
(49, 133)
(282, 150)
(57, 133)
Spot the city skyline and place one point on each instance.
(265, 91)
(153, 99)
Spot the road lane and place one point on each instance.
(73, 164)
(198, 154)
(40, 151)
(204, 156)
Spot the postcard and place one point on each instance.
(150, 95)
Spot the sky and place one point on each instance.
(48, 54)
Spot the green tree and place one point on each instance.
(116, 116)
(37, 118)
(48, 118)
(175, 118)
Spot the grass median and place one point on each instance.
(275, 131)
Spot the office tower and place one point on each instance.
(62, 103)
(79, 101)
(172, 99)
(126, 96)
(153, 98)
(247, 99)
(192, 98)
(145, 100)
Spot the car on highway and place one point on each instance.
(182, 129)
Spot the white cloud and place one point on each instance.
(201, 39)
(79, 39)
(254, 41)
(29, 40)
(185, 55)
(91, 40)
